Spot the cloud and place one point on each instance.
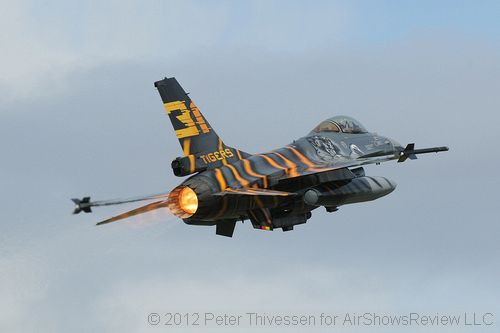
(127, 304)
(44, 44)
(23, 283)
(310, 291)
(27, 54)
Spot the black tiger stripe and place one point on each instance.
(223, 208)
(365, 184)
(375, 181)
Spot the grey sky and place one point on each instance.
(79, 115)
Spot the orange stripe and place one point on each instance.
(242, 181)
(220, 179)
(259, 203)
(199, 118)
(268, 217)
(220, 149)
(191, 163)
(186, 146)
(263, 191)
(292, 166)
(239, 154)
(253, 215)
(248, 168)
(223, 209)
(303, 159)
(274, 164)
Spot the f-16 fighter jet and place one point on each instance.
(276, 189)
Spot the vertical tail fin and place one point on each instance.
(199, 142)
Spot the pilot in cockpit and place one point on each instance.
(342, 124)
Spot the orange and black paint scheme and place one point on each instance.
(277, 189)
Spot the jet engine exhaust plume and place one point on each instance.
(183, 202)
(137, 211)
(85, 205)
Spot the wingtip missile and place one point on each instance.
(82, 205)
(411, 153)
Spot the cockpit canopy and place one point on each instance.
(342, 124)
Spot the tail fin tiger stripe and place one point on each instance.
(190, 125)
(221, 148)
(186, 147)
(192, 163)
(193, 131)
(199, 118)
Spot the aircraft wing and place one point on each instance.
(409, 152)
(338, 170)
(261, 196)
(247, 191)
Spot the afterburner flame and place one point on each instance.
(188, 201)
(183, 202)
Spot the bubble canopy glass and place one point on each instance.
(342, 124)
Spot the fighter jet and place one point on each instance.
(276, 189)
